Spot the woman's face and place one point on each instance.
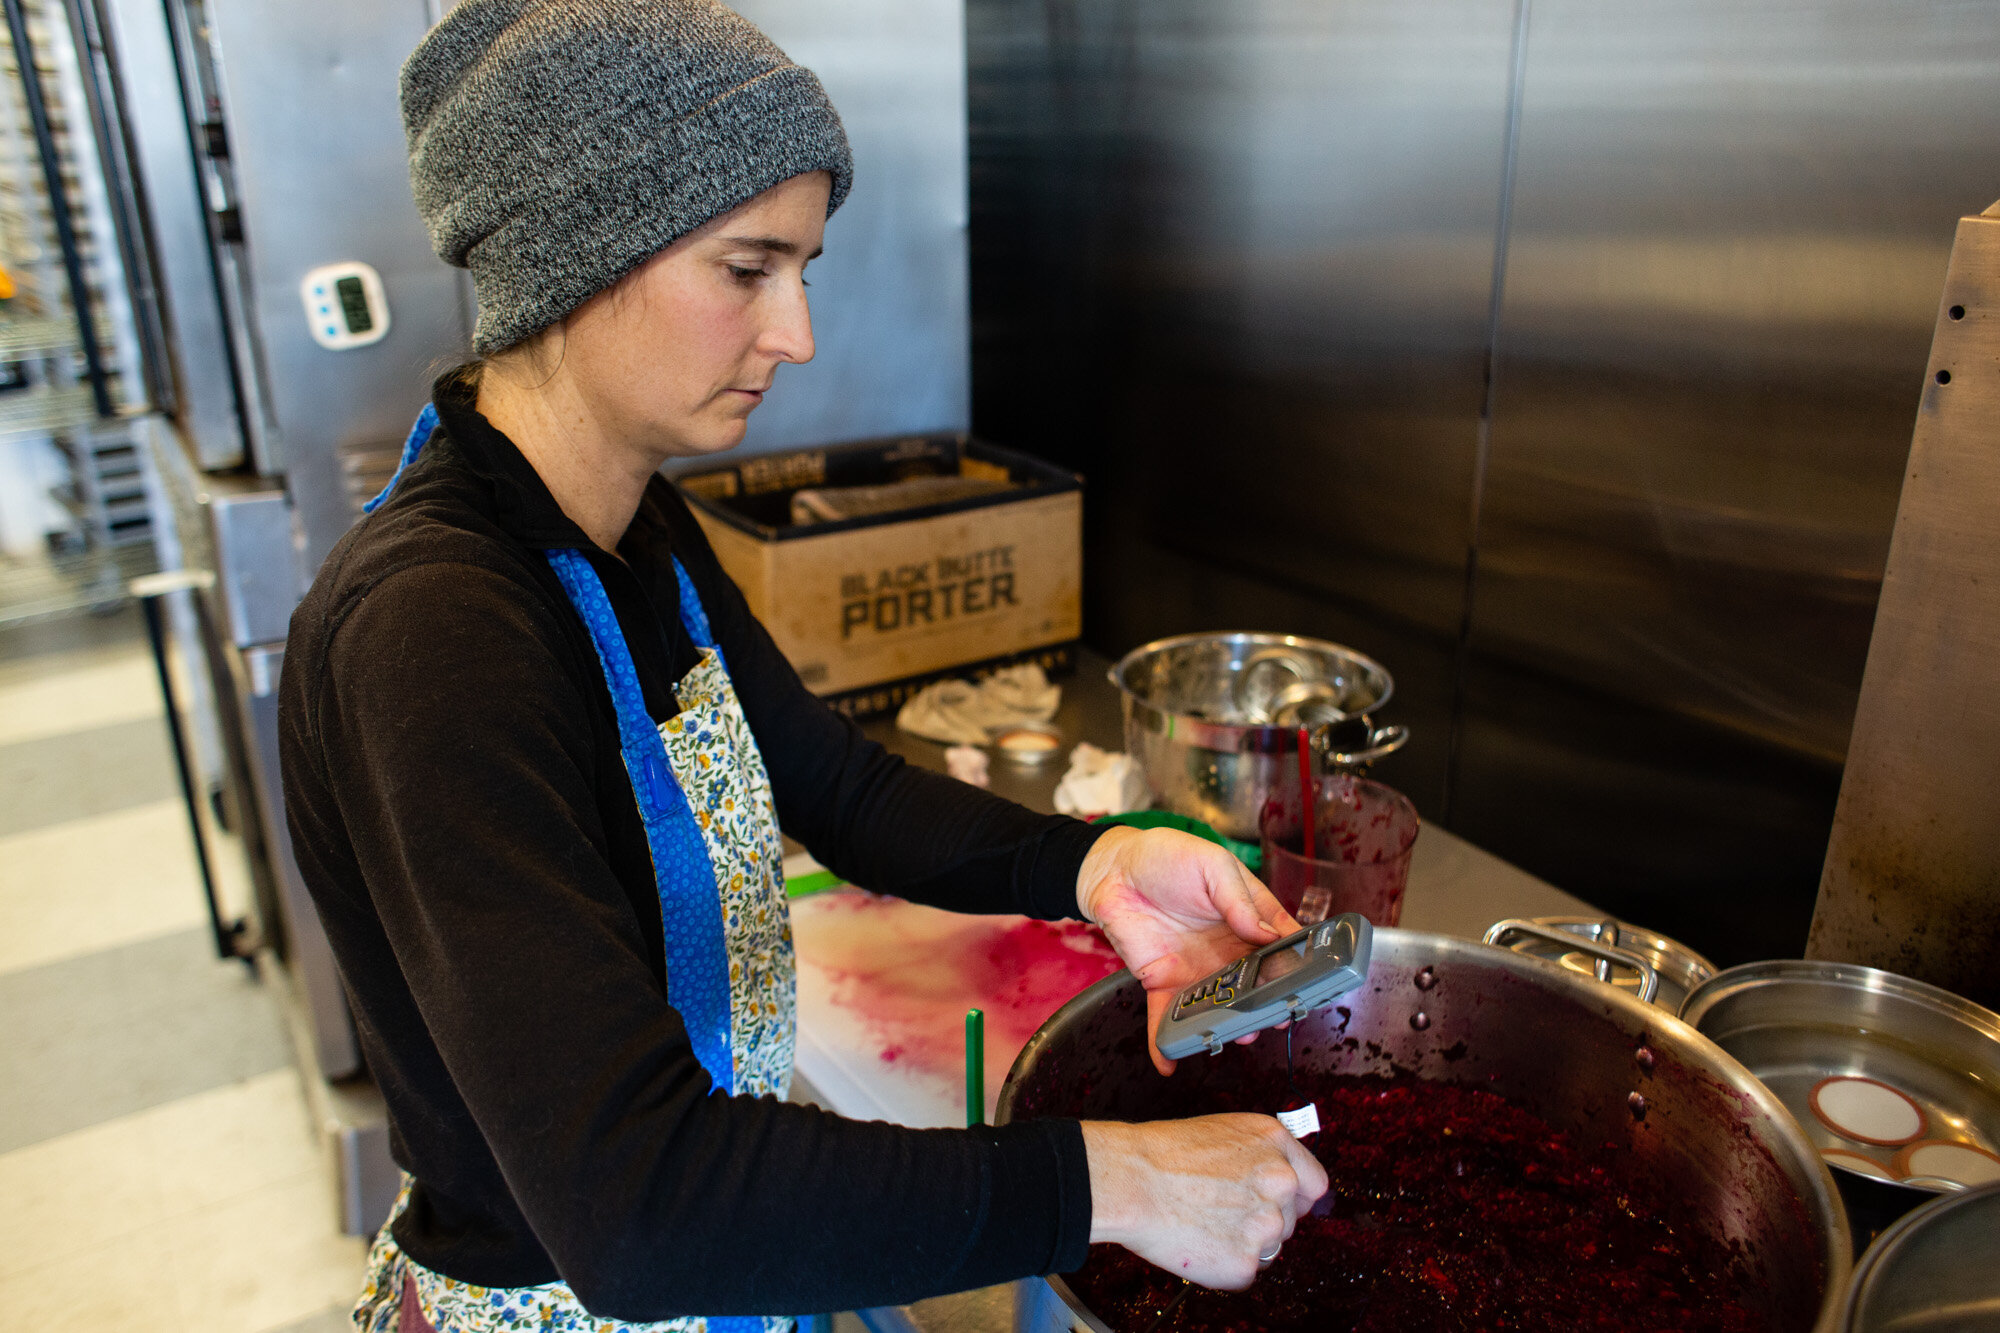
(675, 357)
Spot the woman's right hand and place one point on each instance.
(1205, 1199)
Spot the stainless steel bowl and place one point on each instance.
(1559, 1042)
(1213, 719)
(1934, 1271)
(1797, 1022)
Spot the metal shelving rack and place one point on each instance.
(70, 356)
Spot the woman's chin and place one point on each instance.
(717, 438)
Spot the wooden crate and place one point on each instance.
(871, 609)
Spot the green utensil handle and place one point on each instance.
(975, 1067)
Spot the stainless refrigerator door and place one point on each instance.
(205, 378)
(316, 137)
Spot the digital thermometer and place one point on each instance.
(1288, 979)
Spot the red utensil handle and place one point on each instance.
(1306, 790)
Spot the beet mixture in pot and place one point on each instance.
(1451, 1208)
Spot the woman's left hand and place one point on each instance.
(1176, 908)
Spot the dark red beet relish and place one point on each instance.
(1452, 1208)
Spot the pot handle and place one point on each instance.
(1378, 741)
(1649, 979)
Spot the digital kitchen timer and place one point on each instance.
(345, 305)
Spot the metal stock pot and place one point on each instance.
(1214, 719)
(1566, 1046)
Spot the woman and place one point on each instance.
(537, 754)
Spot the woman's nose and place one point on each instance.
(789, 335)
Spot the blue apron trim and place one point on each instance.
(419, 436)
(690, 908)
(693, 617)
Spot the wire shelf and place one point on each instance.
(45, 409)
(44, 587)
(24, 338)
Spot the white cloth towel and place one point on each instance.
(1101, 782)
(959, 712)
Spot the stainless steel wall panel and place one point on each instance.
(1730, 223)
(1698, 832)
(1233, 262)
(889, 296)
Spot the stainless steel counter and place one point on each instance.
(1455, 889)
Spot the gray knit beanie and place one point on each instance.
(555, 145)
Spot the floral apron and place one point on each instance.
(705, 798)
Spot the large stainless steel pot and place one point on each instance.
(1615, 952)
(1933, 1271)
(1213, 719)
(1559, 1042)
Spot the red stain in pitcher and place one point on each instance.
(912, 972)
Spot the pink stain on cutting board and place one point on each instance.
(911, 972)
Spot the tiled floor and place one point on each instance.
(156, 1167)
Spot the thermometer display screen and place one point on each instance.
(1280, 964)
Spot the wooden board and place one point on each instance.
(1912, 877)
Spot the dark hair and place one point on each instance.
(464, 377)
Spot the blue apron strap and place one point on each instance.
(420, 435)
(693, 616)
(690, 908)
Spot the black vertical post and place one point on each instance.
(226, 933)
(45, 140)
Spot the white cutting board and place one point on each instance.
(883, 989)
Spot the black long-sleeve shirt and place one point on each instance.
(460, 810)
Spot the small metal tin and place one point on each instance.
(1679, 968)
(1932, 1271)
(1029, 744)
